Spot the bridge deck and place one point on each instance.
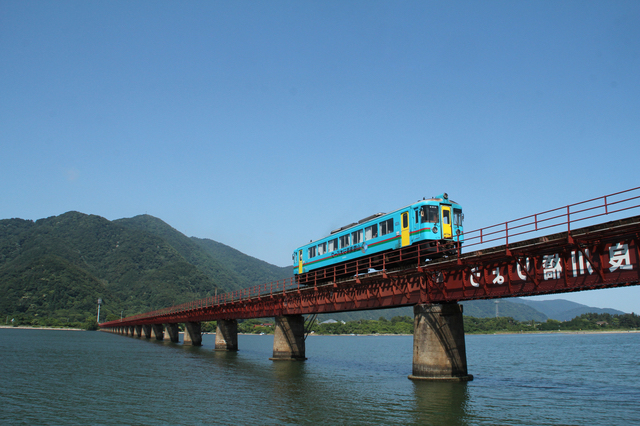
(599, 256)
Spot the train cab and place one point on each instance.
(443, 215)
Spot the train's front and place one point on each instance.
(447, 225)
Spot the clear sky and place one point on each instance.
(265, 124)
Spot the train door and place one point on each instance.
(405, 234)
(300, 261)
(446, 222)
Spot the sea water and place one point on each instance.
(96, 378)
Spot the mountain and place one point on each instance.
(563, 310)
(58, 267)
(504, 308)
(186, 247)
(226, 265)
(249, 270)
(473, 308)
(520, 309)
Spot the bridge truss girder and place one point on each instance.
(601, 256)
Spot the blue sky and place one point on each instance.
(263, 125)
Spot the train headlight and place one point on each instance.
(434, 229)
(445, 196)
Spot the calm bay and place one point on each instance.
(82, 378)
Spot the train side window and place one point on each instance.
(322, 248)
(356, 237)
(344, 241)
(312, 252)
(457, 217)
(386, 227)
(405, 220)
(371, 232)
(429, 214)
(333, 244)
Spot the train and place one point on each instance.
(435, 222)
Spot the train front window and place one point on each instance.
(429, 214)
(457, 217)
(371, 232)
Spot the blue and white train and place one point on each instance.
(438, 219)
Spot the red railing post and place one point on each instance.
(506, 233)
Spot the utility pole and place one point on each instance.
(98, 318)
(497, 301)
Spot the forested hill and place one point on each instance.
(224, 264)
(57, 268)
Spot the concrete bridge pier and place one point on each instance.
(192, 334)
(438, 343)
(138, 331)
(227, 335)
(157, 332)
(172, 333)
(288, 339)
(146, 329)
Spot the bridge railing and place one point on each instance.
(562, 219)
(262, 290)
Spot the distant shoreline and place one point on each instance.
(472, 334)
(557, 332)
(24, 327)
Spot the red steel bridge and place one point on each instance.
(572, 248)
